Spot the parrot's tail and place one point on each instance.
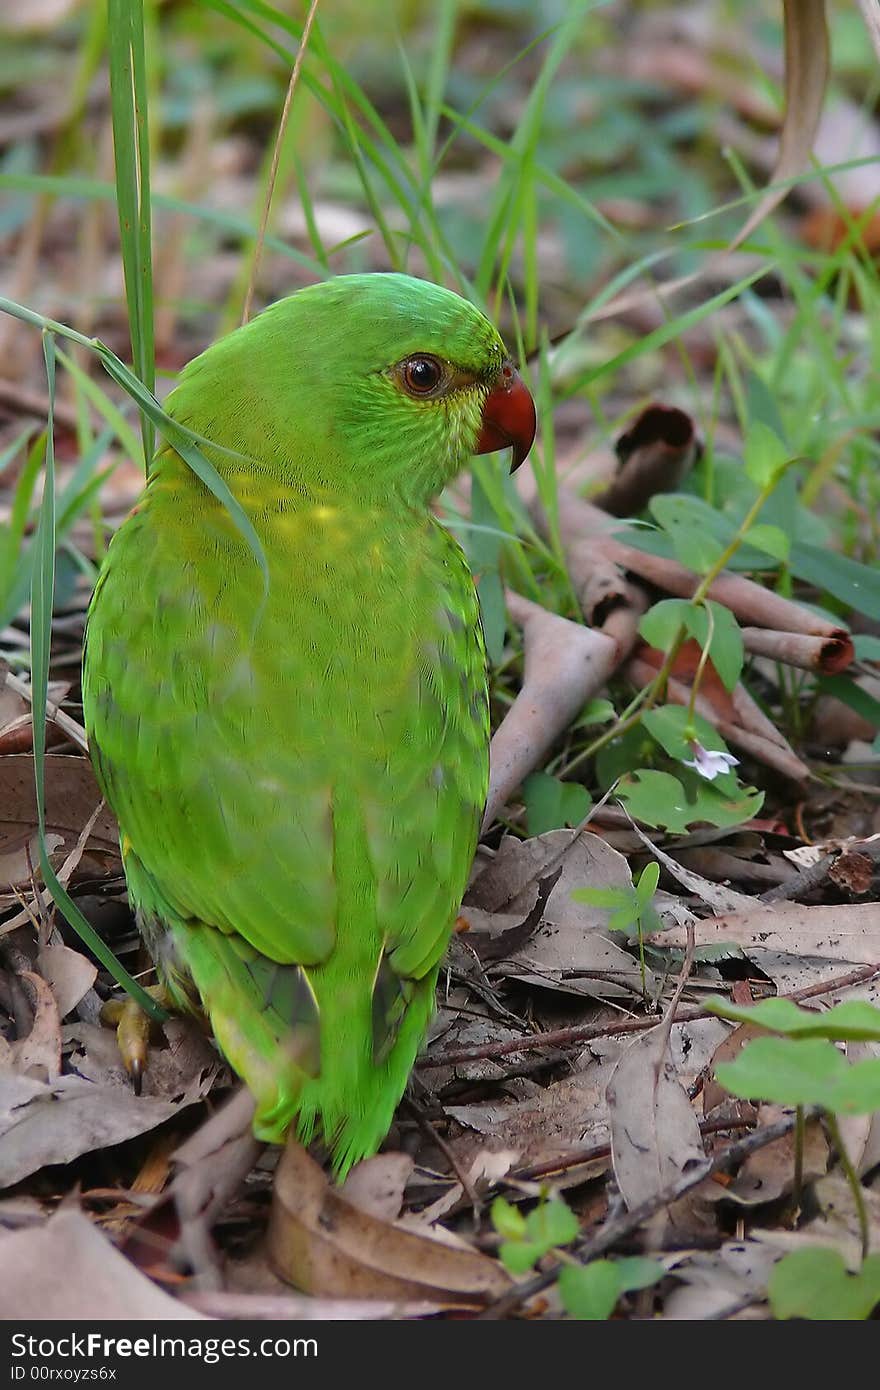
(328, 1048)
(304, 1041)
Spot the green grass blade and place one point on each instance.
(42, 594)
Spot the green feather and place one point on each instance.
(299, 781)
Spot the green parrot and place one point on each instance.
(299, 774)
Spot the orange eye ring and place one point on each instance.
(422, 374)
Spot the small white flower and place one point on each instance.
(710, 762)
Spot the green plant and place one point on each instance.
(590, 1292)
(801, 1066)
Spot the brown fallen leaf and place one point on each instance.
(768, 1174)
(538, 1127)
(843, 932)
(43, 1123)
(571, 950)
(322, 1244)
(376, 1185)
(714, 1281)
(68, 1271)
(71, 797)
(655, 1135)
(39, 1053)
(68, 973)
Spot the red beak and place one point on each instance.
(509, 420)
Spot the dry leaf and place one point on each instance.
(69, 974)
(769, 1173)
(717, 1280)
(842, 932)
(68, 1271)
(376, 1185)
(572, 939)
(655, 1135)
(39, 1054)
(325, 1246)
(54, 1122)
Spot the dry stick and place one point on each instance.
(276, 159)
(826, 654)
(75, 732)
(751, 717)
(591, 1247)
(431, 1134)
(750, 603)
(817, 873)
(211, 1164)
(578, 1158)
(565, 664)
(587, 1032)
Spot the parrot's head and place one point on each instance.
(377, 385)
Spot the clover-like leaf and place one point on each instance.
(816, 1284)
(855, 1021)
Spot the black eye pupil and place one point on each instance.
(422, 373)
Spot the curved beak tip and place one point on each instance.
(509, 418)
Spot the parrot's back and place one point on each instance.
(298, 776)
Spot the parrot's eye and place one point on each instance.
(421, 374)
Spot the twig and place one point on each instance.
(816, 874)
(578, 1158)
(586, 1032)
(75, 732)
(433, 1137)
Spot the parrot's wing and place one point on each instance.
(278, 797)
(231, 823)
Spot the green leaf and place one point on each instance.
(660, 800)
(674, 731)
(508, 1220)
(771, 539)
(604, 897)
(660, 625)
(552, 1223)
(551, 804)
(765, 455)
(867, 648)
(647, 885)
(656, 798)
(726, 648)
(803, 1071)
(851, 582)
(518, 1257)
(590, 1292)
(816, 1284)
(42, 595)
(596, 712)
(131, 153)
(681, 517)
(855, 1021)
